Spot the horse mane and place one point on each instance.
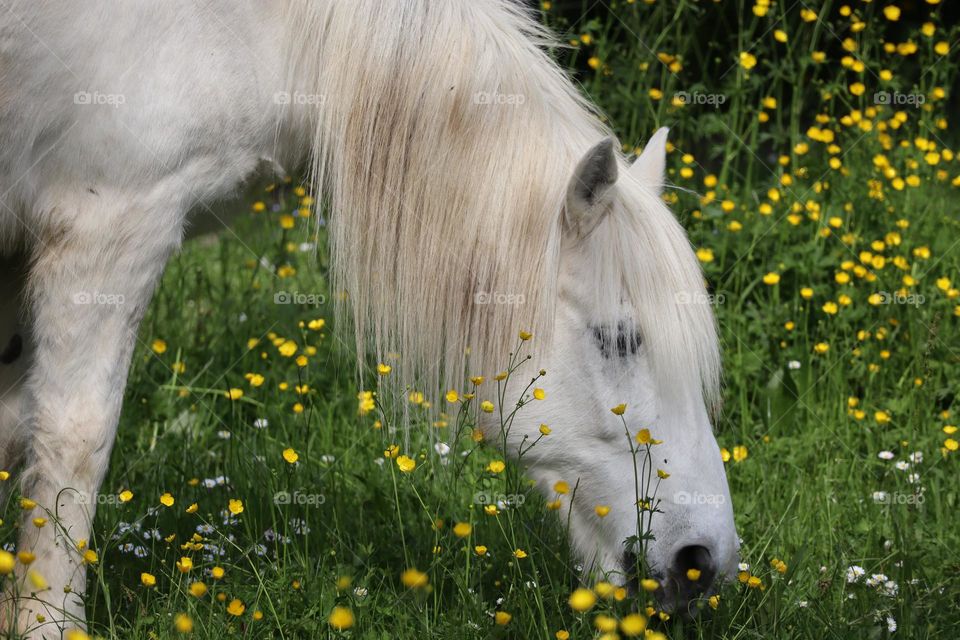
(444, 145)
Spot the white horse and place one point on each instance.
(473, 193)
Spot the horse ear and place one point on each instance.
(650, 167)
(589, 190)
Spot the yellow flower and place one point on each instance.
(633, 624)
(602, 510)
(502, 618)
(234, 393)
(486, 406)
(126, 495)
(950, 444)
(198, 589)
(341, 618)
(236, 607)
(519, 554)
(705, 255)
(857, 88)
(414, 579)
(821, 347)
(747, 60)
(891, 12)
(619, 410)
(167, 500)
(739, 453)
(525, 335)
(649, 584)
(406, 464)
(287, 348)
(582, 600)
(383, 369)
(452, 396)
(38, 582)
(183, 623)
(159, 346)
(217, 573)
(480, 550)
(75, 634)
(693, 575)
(236, 507)
(7, 563)
(545, 430)
(27, 504)
(90, 557)
(643, 436)
(184, 564)
(771, 278)
(290, 455)
(562, 487)
(496, 466)
(539, 393)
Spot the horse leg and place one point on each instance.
(91, 277)
(14, 362)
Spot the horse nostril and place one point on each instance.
(693, 571)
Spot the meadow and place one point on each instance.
(260, 489)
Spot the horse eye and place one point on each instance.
(622, 341)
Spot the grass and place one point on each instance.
(819, 383)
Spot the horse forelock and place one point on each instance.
(444, 146)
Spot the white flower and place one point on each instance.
(442, 448)
(885, 455)
(913, 478)
(223, 434)
(261, 423)
(916, 457)
(902, 465)
(891, 624)
(875, 580)
(327, 458)
(360, 592)
(890, 588)
(743, 566)
(803, 604)
(793, 364)
(854, 573)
